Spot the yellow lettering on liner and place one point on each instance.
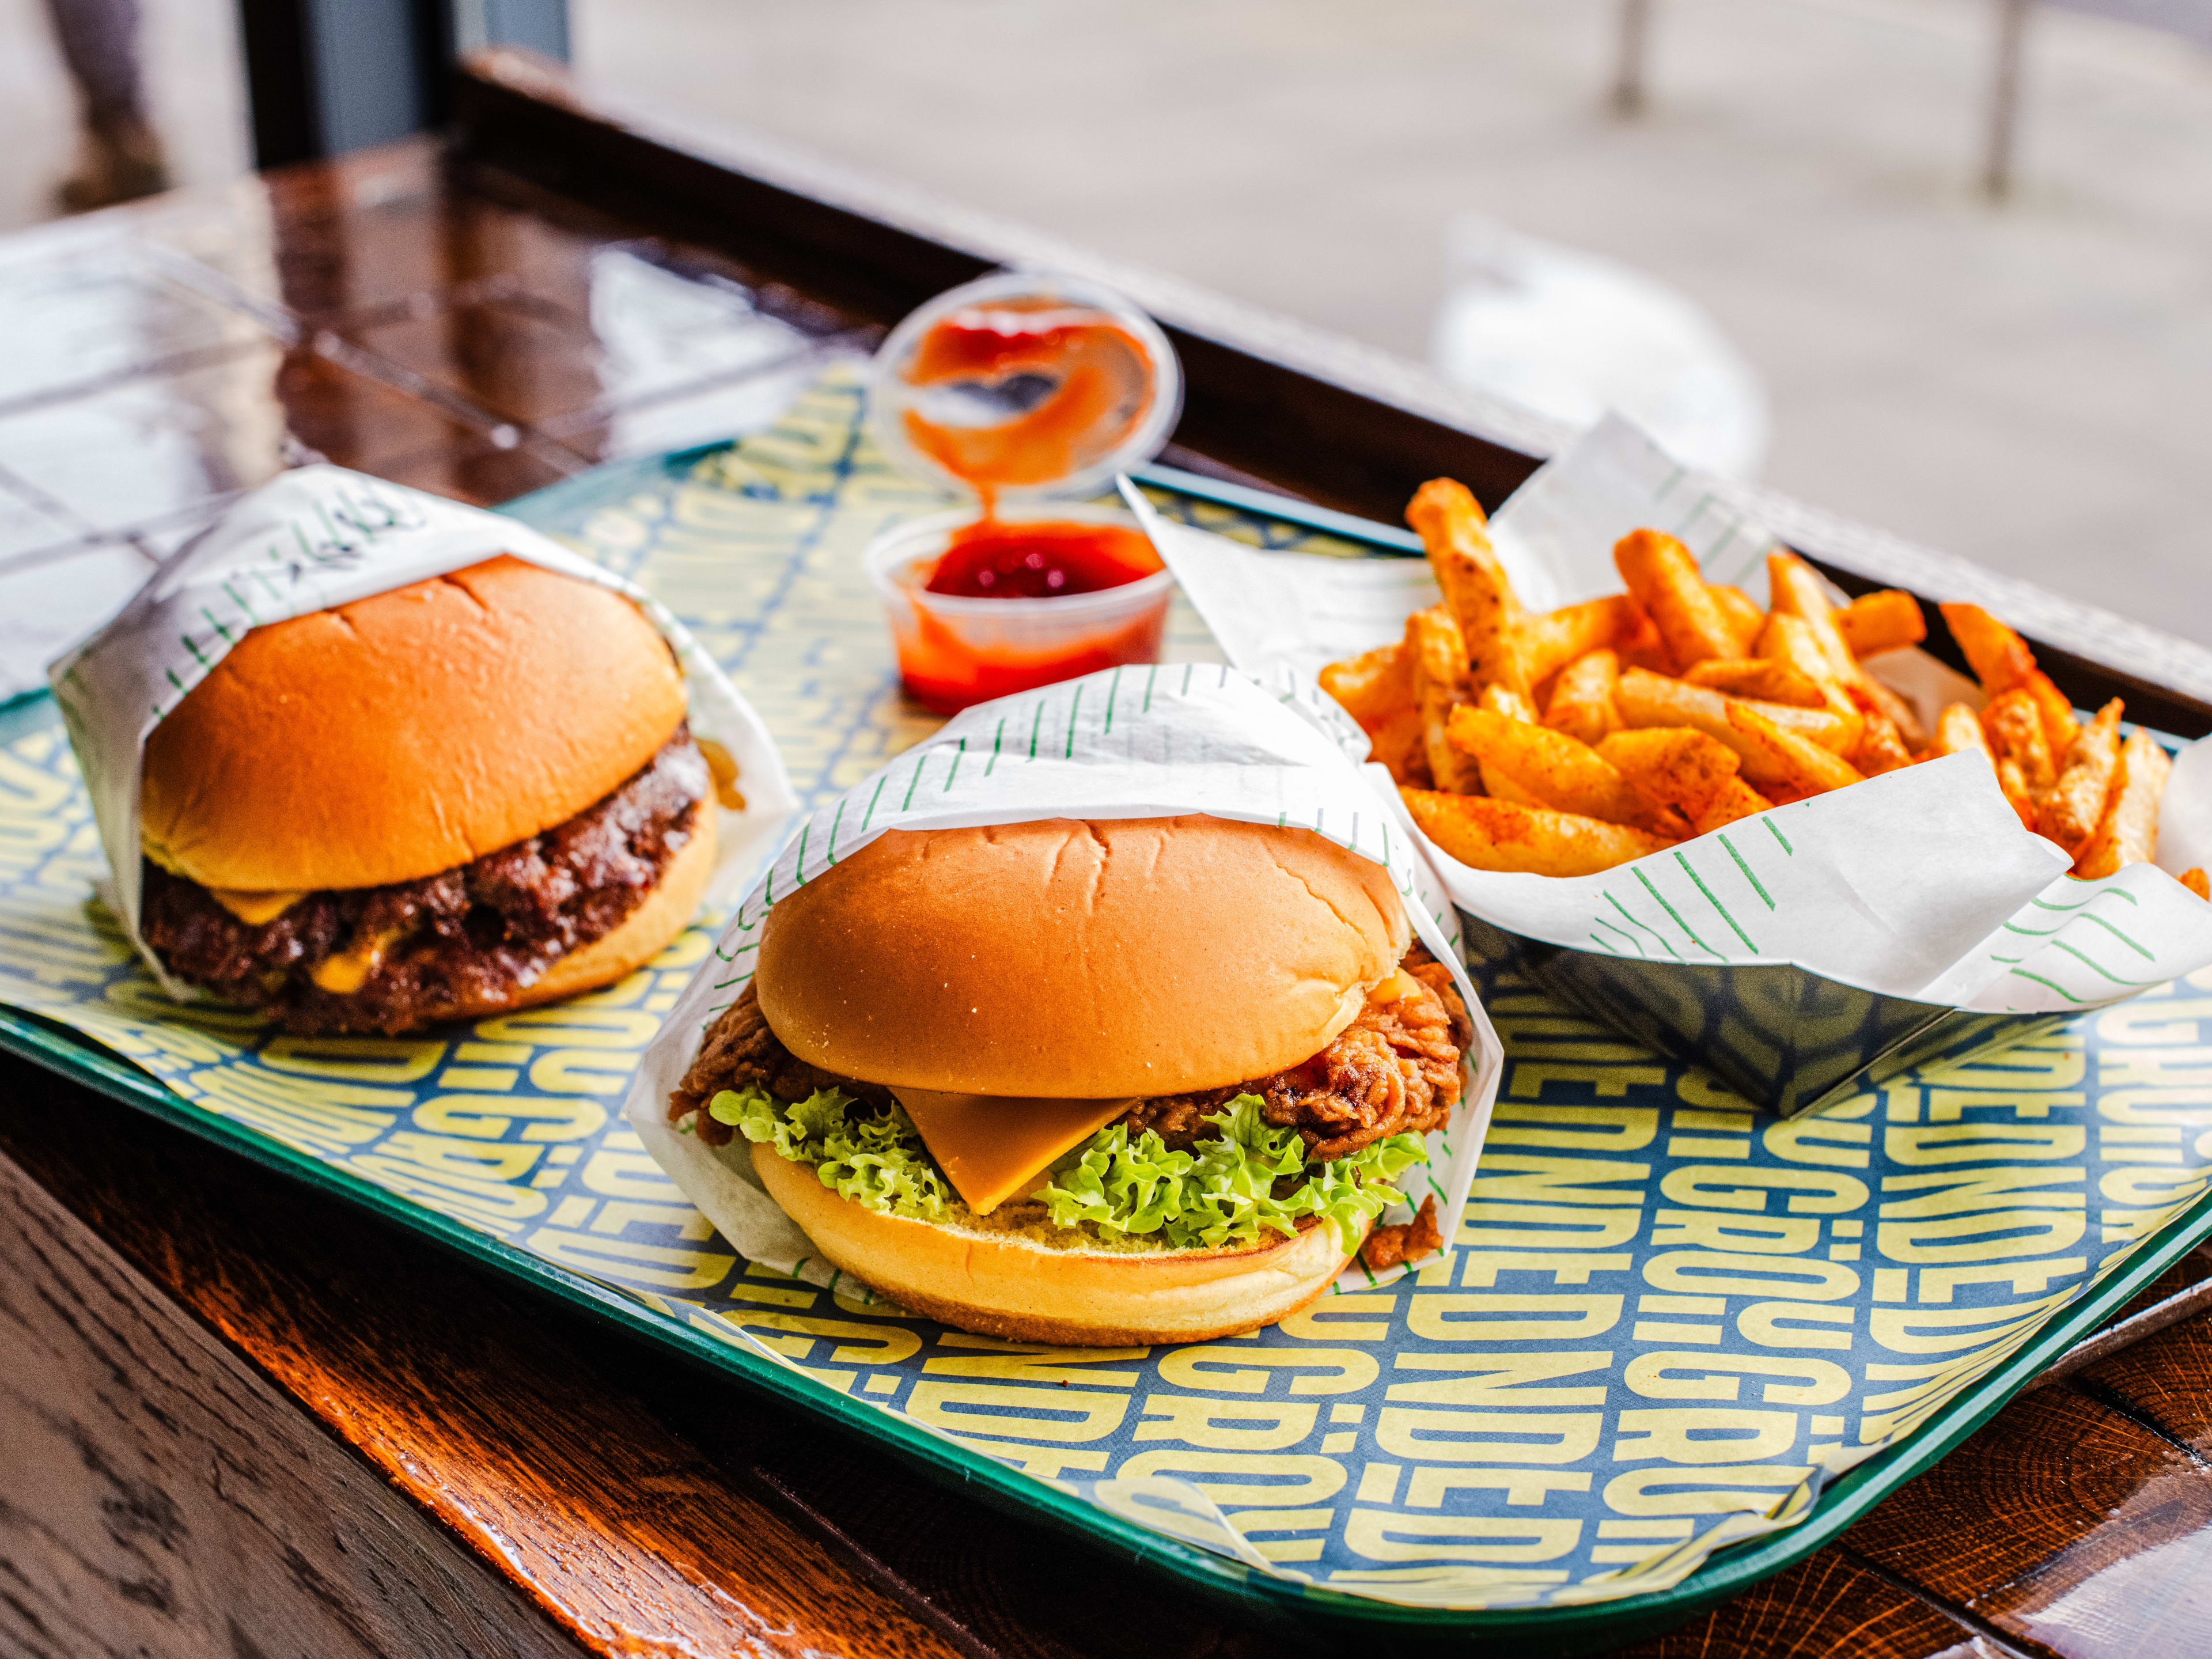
(254, 909)
(993, 1146)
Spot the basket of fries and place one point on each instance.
(1766, 835)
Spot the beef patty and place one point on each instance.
(480, 931)
(1394, 1069)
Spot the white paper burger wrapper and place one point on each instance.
(1129, 743)
(319, 537)
(1920, 884)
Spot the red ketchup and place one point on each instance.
(994, 560)
(1101, 387)
(951, 662)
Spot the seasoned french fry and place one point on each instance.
(2194, 880)
(1797, 591)
(2016, 734)
(2128, 832)
(1771, 755)
(1498, 835)
(1582, 697)
(1647, 699)
(1874, 622)
(1499, 786)
(1398, 744)
(2056, 709)
(2014, 782)
(1560, 772)
(1881, 747)
(1663, 578)
(1959, 732)
(1440, 682)
(2002, 662)
(2076, 804)
(1745, 618)
(1765, 677)
(1374, 686)
(1999, 657)
(1790, 638)
(1448, 520)
(1676, 764)
(1679, 707)
(1552, 639)
(1511, 704)
(1735, 799)
(1874, 698)
(1644, 648)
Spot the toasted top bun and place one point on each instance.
(1121, 958)
(401, 735)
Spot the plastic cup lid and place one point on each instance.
(1029, 383)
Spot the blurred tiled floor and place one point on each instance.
(154, 360)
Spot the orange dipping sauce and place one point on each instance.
(1011, 393)
(1073, 384)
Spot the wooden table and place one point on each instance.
(238, 1420)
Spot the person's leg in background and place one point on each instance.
(122, 155)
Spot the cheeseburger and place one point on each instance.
(1118, 1082)
(467, 795)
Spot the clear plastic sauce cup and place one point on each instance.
(1018, 389)
(954, 652)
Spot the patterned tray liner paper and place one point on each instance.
(1914, 901)
(1667, 1322)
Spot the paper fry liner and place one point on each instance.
(319, 537)
(1128, 743)
(1905, 917)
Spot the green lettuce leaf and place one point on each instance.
(1223, 1194)
(873, 1155)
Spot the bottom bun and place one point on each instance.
(642, 936)
(1005, 1286)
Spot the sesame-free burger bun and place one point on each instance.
(1005, 1285)
(1135, 956)
(406, 733)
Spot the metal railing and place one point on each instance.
(2190, 20)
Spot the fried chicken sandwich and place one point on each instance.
(1126, 1081)
(468, 794)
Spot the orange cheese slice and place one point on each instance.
(254, 909)
(993, 1146)
(343, 974)
(1396, 989)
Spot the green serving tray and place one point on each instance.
(1312, 1608)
